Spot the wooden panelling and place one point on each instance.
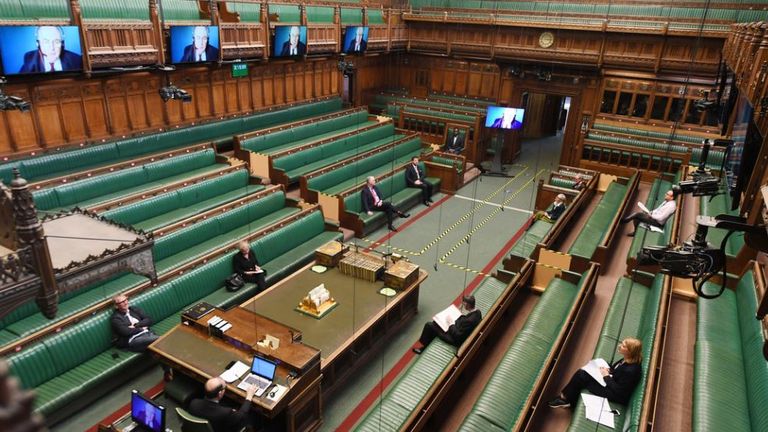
(69, 111)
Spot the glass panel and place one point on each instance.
(659, 106)
(625, 99)
(693, 115)
(608, 99)
(641, 105)
(676, 109)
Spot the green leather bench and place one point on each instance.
(25, 10)
(646, 237)
(562, 182)
(305, 161)
(296, 136)
(129, 10)
(381, 101)
(526, 244)
(77, 365)
(593, 232)
(449, 162)
(348, 176)
(461, 99)
(633, 312)
(169, 252)
(97, 189)
(714, 206)
(58, 163)
(730, 377)
(393, 189)
(168, 208)
(412, 386)
(503, 399)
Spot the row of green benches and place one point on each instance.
(345, 177)
(646, 237)
(382, 100)
(78, 364)
(58, 163)
(461, 99)
(730, 377)
(634, 311)
(393, 110)
(520, 375)
(628, 129)
(165, 209)
(94, 190)
(645, 161)
(714, 160)
(170, 252)
(717, 205)
(393, 189)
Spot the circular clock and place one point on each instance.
(546, 39)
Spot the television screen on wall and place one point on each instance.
(504, 118)
(355, 39)
(194, 44)
(40, 49)
(290, 41)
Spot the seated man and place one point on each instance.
(579, 183)
(658, 217)
(370, 195)
(458, 332)
(246, 265)
(221, 417)
(555, 210)
(131, 325)
(454, 143)
(414, 178)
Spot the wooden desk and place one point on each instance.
(352, 331)
(190, 350)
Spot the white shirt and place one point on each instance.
(416, 168)
(133, 321)
(56, 65)
(202, 57)
(664, 211)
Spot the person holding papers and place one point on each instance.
(658, 217)
(619, 379)
(452, 325)
(247, 266)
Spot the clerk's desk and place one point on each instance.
(189, 349)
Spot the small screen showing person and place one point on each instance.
(194, 44)
(355, 40)
(504, 118)
(290, 41)
(40, 49)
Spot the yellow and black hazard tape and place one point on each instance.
(489, 217)
(465, 269)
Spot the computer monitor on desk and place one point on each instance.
(146, 414)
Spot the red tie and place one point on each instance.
(52, 68)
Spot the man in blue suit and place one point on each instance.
(200, 50)
(50, 55)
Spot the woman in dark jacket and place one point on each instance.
(620, 379)
(247, 266)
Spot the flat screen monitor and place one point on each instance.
(263, 368)
(146, 413)
(355, 39)
(40, 49)
(194, 44)
(504, 118)
(290, 41)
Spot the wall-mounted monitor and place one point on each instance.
(146, 413)
(40, 49)
(355, 39)
(504, 118)
(290, 41)
(194, 44)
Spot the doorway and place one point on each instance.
(546, 116)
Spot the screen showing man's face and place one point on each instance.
(49, 40)
(201, 39)
(294, 36)
(359, 35)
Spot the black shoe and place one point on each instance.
(392, 228)
(426, 203)
(418, 350)
(558, 403)
(404, 215)
(632, 234)
(430, 201)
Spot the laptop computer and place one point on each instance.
(262, 374)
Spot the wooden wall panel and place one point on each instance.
(73, 111)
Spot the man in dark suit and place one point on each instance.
(200, 50)
(294, 46)
(414, 178)
(555, 210)
(221, 418)
(508, 120)
(131, 325)
(371, 200)
(455, 142)
(358, 44)
(50, 55)
(458, 332)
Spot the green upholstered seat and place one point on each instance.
(180, 10)
(411, 387)
(320, 14)
(562, 182)
(351, 16)
(249, 12)
(116, 10)
(375, 16)
(23, 10)
(500, 404)
(645, 237)
(525, 245)
(714, 206)
(730, 398)
(287, 13)
(594, 231)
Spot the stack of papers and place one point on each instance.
(219, 323)
(235, 372)
(447, 317)
(598, 410)
(593, 368)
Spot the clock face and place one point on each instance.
(546, 40)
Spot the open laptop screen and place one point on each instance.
(263, 368)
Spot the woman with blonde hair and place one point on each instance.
(621, 378)
(246, 265)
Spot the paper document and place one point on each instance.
(235, 372)
(643, 207)
(447, 317)
(593, 368)
(597, 409)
